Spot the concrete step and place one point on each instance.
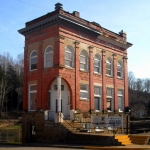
(123, 139)
(138, 139)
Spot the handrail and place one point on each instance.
(67, 121)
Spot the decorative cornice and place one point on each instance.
(60, 19)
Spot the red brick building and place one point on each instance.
(71, 65)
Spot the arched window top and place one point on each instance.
(108, 61)
(48, 56)
(97, 57)
(49, 49)
(69, 56)
(97, 64)
(84, 60)
(84, 53)
(33, 54)
(119, 63)
(119, 69)
(109, 67)
(69, 49)
(33, 60)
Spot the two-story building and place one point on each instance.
(72, 66)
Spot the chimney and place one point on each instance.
(77, 14)
(58, 6)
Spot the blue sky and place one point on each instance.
(132, 16)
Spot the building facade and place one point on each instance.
(71, 65)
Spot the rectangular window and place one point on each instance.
(120, 100)
(84, 91)
(96, 103)
(109, 99)
(97, 98)
(32, 97)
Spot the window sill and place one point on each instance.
(119, 78)
(110, 76)
(84, 71)
(97, 74)
(84, 99)
(67, 67)
(33, 70)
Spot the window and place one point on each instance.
(109, 99)
(119, 70)
(83, 60)
(69, 57)
(48, 57)
(109, 67)
(33, 60)
(97, 98)
(55, 87)
(83, 91)
(120, 100)
(97, 64)
(32, 97)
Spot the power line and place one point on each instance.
(31, 4)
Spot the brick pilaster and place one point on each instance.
(77, 67)
(39, 73)
(115, 83)
(25, 84)
(104, 81)
(91, 86)
(126, 102)
(59, 51)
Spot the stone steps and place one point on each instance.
(123, 139)
(139, 139)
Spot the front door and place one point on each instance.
(65, 98)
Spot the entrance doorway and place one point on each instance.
(65, 98)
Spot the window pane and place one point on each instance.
(32, 101)
(33, 87)
(83, 94)
(68, 56)
(96, 103)
(34, 60)
(108, 104)
(119, 74)
(108, 66)
(83, 87)
(49, 56)
(108, 72)
(96, 69)
(82, 59)
(96, 63)
(49, 63)
(68, 63)
(97, 90)
(120, 92)
(109, 92)
(33, 66)
(34, 54)
(82, 66)
(120, 103)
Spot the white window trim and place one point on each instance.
(111, 67)
(49, 59)
(33, 57)
(84, 63)
(121, 66)
(72, 53)
(121, 95)
(34, 91)
(112, 99)
(84, 91)
(99, 64)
